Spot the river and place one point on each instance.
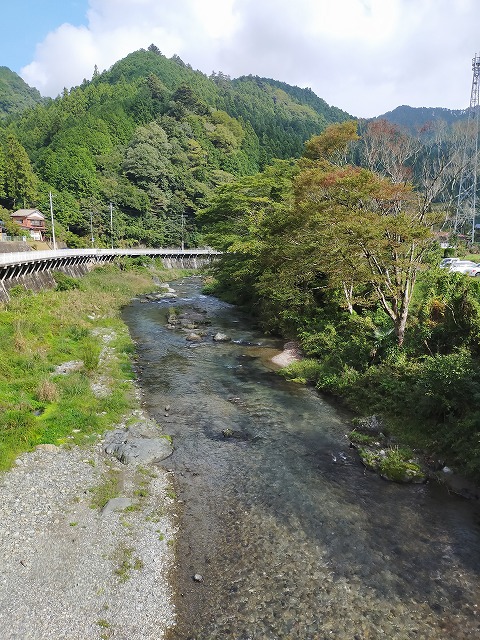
(288, 535)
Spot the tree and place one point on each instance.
(372, 233)
(333, 144)
(2, 173)
(349, 232)
(386, 150)
(20, 180)
(430, 160)
(240, 219)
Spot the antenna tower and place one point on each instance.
(467, 193)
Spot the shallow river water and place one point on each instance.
(292, 537)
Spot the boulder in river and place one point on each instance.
(381, 454)
(221, 337)
(238, 435)
(193, 337)
(291, 353)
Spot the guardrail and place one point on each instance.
(23, 257)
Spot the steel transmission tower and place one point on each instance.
(467, 193)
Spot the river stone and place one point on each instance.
(68, 367)
(369, 425)
(116, 504)
(140, 450)
(221, 337)
(166, 287)
(193, 337)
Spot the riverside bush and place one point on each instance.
(305, 371)
(65, 282)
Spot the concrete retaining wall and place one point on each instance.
(37, 275)
(38, 280)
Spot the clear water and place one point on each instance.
(293, 538)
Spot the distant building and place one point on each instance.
(31, 222)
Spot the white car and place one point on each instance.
(447, 262)
(475, 271)
(462, 266)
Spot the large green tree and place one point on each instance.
(20, 180)
(370, 236)
(348, 231)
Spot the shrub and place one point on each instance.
(304, 371)
(65, 282)
(447, 385)
(397, 467)
(18, 291)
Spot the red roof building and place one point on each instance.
(31, 221)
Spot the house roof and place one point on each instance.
(31, 214)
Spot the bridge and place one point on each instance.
(33, 269)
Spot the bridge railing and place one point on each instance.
(34, 256)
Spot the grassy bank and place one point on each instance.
(66, 373)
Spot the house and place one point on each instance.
(31, 221)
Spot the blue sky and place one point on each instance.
(364, 56)
(27, 22)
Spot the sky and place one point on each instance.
(364, 56)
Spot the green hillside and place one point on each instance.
(153, 137)
(15, 94)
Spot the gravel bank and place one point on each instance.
(73, 572)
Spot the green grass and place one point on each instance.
(360, 438)
(108, 488)
(474, 257)
(126, 562)
(39, 332)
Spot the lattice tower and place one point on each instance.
(467, 193)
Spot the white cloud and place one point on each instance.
(365, 56)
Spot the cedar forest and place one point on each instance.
(329, 227)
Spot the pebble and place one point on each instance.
(59, 556)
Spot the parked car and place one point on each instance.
(475, 271)
(446, 262)
(462, 266)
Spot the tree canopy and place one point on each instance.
(154, 138)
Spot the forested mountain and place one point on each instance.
(15, 94)
(282, 116)
(416, 118)
(154, 137)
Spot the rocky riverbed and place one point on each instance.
(86, 545)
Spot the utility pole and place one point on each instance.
(53, 224)
(183, 231)
(111, 223)
(467, 193)
(91, 228)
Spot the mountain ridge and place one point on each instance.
(16, 95)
